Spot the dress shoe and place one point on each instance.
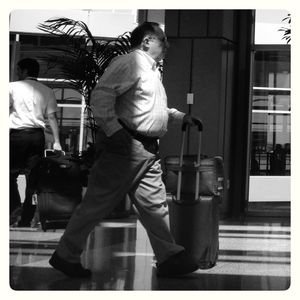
(176, 265)
(70, 269)
(24, 224)
(15, 216)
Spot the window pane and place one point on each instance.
(71, 96)
(267, 25)
(272, 69)
(69, 126)
(271, 108)
(264, 100)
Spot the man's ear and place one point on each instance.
(22, 74)
(25, 72)
(145, 41)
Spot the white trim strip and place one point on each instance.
(280, 112)
(54, 79)
(271, 89)
(81, 125)
(69, 105)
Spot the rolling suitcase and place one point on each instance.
(58, 190)
(194, 214)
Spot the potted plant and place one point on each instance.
(81, 59)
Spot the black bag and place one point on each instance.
(194, 213)
(58, 188)
(195, 226)
(211, 175)
(59, 173)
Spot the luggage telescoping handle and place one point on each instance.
(47, 151)
(183, 138)
(198, 123)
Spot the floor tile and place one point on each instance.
(252, 256)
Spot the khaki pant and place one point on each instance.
(123, 166)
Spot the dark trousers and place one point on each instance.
(26, 147)
(123, 165)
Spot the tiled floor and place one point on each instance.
(254, 255)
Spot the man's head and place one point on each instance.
(28, 67)
(150, 38)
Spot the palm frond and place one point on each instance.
(67, 28)
(81, 59)
(286, 30)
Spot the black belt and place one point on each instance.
(25, 130)
(138, 136)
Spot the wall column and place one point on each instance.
(202, 60)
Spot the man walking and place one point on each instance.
(29, 103)
(130, 106)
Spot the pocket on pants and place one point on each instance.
(122, 143)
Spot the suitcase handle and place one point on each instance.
(53, 152)
(197, 122)
(183, 138)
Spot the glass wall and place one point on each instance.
(70, 112)
(26, 40)
(271, 110)
(70, 119)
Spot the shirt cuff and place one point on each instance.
(175, 115)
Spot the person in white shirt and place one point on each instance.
(29, 103)
(129, 104)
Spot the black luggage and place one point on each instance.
(58, 188)
(210, 175)
(196, 186)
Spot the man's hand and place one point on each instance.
(189, 120)
(57, 146)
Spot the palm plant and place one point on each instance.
(286, 30)
(82, 59)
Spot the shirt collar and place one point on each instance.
(151, 61)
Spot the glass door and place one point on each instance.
(271, 125)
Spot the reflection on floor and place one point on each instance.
(254, 255)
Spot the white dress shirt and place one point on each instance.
(29, 102)
(131, 90)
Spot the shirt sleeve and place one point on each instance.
(175, 116)
(116, 80)
(51, 104)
